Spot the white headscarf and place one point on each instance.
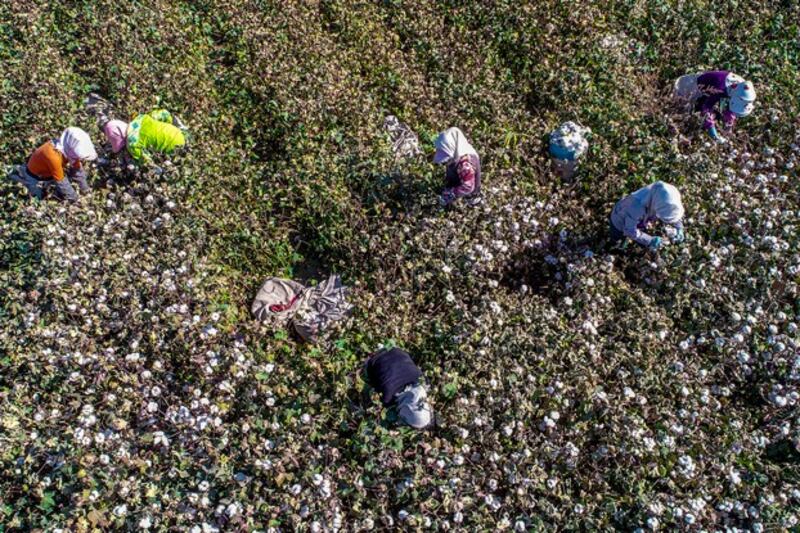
(413, 407)
(76, 145)
(666, 202)
(452, 145)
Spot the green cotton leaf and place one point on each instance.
(48, 502)
(262, 376)
(396, 443)
(450, 390)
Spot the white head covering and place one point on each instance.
(743, 98)
(413, 407)
(666, 202)
(452, 145)
(76, 145)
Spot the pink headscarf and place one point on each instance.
(116, 131)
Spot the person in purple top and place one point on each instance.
(463, 174)
(717, 94)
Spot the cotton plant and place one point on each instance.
(143, 384)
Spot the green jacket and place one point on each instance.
(151, 133)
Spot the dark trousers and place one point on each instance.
(615, 234)
(64, 188)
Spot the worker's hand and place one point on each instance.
(656, 243)
(679, 237)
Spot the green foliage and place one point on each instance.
(136, 389)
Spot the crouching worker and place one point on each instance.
(395, 376)
(567, 146)
(146, 135)
(718, 94)
(58, 162)
(658, 202)
(463, 174)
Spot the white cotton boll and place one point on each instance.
(628, 393)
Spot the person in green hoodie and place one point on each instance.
(155, 132)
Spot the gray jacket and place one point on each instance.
(657, 201)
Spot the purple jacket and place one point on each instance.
(713, 88)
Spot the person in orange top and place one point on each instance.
(59, 161)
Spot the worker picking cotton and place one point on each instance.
(658, 202)
(58, 161)
(146, 135)
(716, 95)
(463, 166)
(395, 376)
(567, 146)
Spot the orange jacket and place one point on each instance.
(48, 163)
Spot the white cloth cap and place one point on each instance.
(76, 145)
(452, 145)
(666, 202)
(413, 407)
(742, 94)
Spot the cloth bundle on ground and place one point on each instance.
(395, 376)
(463, 174)
(658, 201)
(405, 142)
(145, 135)
(568, 142)
(310, 310)
(99, 107)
